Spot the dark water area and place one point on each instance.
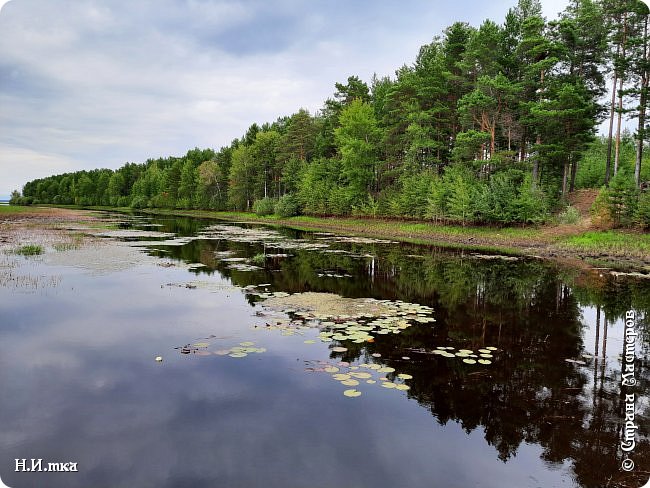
(80, 383)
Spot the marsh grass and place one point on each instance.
(73, 242)
(29, 250)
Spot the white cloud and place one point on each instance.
(29, 165)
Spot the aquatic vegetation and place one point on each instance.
(241, 350)
(29, 250)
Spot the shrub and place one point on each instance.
(287, 206)
(263, 207)
(139, 202)
(495, 202)
(184, 203)
(642, 216)
(622, 197)
(368, 208)
(570, 215)
(462, 187)
(600, 214)
(531, 204)
(340, 201)
(412, 198)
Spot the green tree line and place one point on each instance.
(493, 124)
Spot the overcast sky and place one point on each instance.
(96, 83)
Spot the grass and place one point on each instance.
(611, 241)
(74, 242)
(14, 209)
(29, 250)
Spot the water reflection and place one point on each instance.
(530, 419)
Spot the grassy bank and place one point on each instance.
(577, 243)
(619, 248)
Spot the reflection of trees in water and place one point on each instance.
(528, 309)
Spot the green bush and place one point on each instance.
(622, 198)
(139, 202)
(436, 208)
(263, 207)
(495, 202)
(340, 201)
(368, 208)
(570, 215)
(642, 216)
(287, 206)
(462, 186)
(531, 205)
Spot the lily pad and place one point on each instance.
(405, 376)
(332, 369)
(402, 387)
(341, 376)
(484, 361)
(350, 382)
(386, 369)
(237, 354)
(361, 375)
(388, 384)
(352, 393)
(469, 361)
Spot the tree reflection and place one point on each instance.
(531, 310)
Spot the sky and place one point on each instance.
(97, 83)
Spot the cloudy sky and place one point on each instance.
(96, 83)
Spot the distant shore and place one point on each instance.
(574, 245)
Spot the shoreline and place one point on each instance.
(577, 246)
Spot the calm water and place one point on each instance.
(80, 383)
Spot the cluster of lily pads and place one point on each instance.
(391, 317)
(484, 356)
(357, 375)
(241, 350)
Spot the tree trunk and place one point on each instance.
(535, 174)
(492, 138)
(565, 174)
(617, 147)
(574, 170)
(612, 111)
(643, 100)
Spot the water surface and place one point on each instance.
(80, 383)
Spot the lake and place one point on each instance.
(464, 370)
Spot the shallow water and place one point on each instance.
(80, 383)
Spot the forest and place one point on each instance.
(492, 124)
